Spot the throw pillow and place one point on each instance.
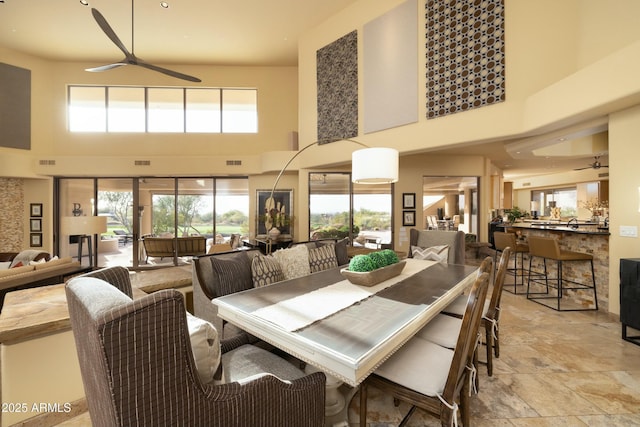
(231, 275)
(17, 264)
(40, 261)
(205, 346)
(293, 261)
(341, 251)
(28, 255)
(434, 253)
(5, 265)
(323, 258)
(265, 270)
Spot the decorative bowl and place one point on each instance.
(371, 278)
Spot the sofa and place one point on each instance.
(219, 274)
(161, 247)
(33, 268)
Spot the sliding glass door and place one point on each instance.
(139, 208)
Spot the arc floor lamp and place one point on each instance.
(369, 165)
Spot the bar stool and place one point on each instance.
(503, 240)
(548, 248)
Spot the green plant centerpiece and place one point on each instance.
(373, 268)
(515, 214)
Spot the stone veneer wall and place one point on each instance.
(11, 214)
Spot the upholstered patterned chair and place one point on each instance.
(432, 238)
(138, 368)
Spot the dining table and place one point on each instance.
(343, 329)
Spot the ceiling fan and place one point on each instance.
(129, 57)
(595, 165)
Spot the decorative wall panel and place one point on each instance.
(390, 72)
(465, 55)
(337, 79)
(11, 214)
(15, 107)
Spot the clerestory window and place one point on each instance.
(162, 109)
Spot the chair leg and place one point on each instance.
(476, 381)
(488, 333)
(464, 406)
(593, 279)
(560, 281)
(363, 404)
(496, 343)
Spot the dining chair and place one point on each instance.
(431, 238)
(138, 367)
(429, 376)
(444, 329)
(490, 313)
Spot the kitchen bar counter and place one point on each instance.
(586, 238)
(582, 227)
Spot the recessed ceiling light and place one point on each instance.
(84, 2)
(164, 4)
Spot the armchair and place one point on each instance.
(138, 368)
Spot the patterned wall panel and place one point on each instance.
(465, 55)
(337, 79)
(11, 214)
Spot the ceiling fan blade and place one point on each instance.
(168, 72)
(106, 28)
(106, 67)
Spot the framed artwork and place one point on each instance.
(408, 200)
(36, 209)
(36, 240)
(274, 213)
(409, 218)
(36, 224)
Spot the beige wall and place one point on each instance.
(624, 194)
(88, 153)
(567, 62)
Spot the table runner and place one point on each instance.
(296, 313)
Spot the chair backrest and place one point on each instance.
(429, 238)
(115, 337)
(493, 311)
(117, 275)
(468, 336)
(545, 247)
(502, 240)
(217, 248)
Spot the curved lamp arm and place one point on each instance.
(275, 184)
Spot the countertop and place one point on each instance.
(583, 228)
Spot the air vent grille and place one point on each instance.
(47, 162)
(526, 184)
(234, 162)
(142, 162)
(603, 175)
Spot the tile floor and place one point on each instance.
(555, 369)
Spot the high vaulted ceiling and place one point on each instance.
(248, 32)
